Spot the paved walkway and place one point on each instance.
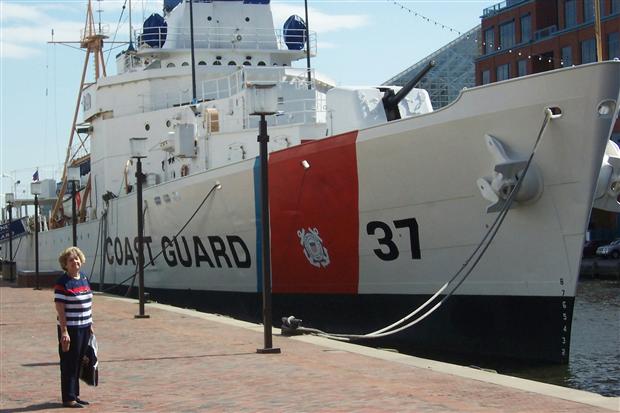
(184, 361)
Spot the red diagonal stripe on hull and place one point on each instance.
(324, 197)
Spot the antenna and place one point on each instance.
(130, 30)
(99, 11)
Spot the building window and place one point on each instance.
(615, 6)
(526, 28)
(613, 45)
(486, 77)
(488, 41)
(503, 72)
(567, 56)
(507, 35)
(588, 51)
(570, 13)
(588, 10)
(522, 67)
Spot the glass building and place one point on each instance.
(454, 69)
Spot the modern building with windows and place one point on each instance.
(521, 37)
(453, 71)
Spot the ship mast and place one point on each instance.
(92, 41)
(597, 30)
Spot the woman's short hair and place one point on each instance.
(62, 259)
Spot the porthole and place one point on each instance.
(147, 126)
(184, 64)
(247, 19)
(209, 18)
(202, 63)
(170, 65)
(168, 123)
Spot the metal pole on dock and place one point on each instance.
(11, 264)
(138, 151)
(73, 217)
(36, 241)
(263, 139)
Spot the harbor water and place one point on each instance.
(594, 363)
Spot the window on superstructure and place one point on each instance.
(526, 28)
(184, 64)
(217, 63)
(232, 63)
(503, 72)
(570, 13)
(486, 77)
(202, 63)
(261, 63)
(522, 67)
(246, 63)
(507, 35)
(613, 45)
(588, 51)
(489, 40)
(567, 56)
(170, 65)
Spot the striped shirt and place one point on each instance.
(77, 297)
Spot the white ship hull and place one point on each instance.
(397, 210)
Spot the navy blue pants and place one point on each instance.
(70, 362)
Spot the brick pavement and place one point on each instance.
(185, 361)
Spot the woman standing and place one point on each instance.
(73, 299)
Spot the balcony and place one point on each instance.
(497, 8)
(546, 32)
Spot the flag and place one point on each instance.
(35, 176)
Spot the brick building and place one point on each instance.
(520, 37)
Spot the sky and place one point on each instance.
(364, 42)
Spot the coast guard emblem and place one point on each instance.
(314, 250)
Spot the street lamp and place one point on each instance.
(138, 151)
(73, 175)
(263, 100)
(10, 199)
(35, 189)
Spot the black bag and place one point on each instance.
(89, 369)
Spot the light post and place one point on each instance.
(139, 151)
(264, 102)
(10, 198)
(35, 189)
(73, 175)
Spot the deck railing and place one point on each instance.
(224, 38)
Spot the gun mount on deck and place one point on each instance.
(391, 99)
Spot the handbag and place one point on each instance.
(89, 368)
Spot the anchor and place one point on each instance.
(506, 174)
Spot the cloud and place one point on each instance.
(26, 28)
(319, 22)
(14, 51)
